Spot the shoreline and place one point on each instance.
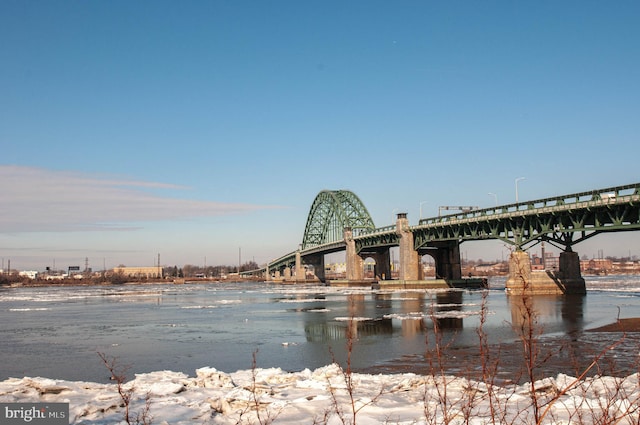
(325, 394)
(22, 282)
(570, 351)
(631, 324)
(615, 346)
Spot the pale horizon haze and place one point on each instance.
(202, 131)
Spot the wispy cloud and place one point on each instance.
(37, 200)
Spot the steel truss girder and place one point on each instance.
(331, 212)
(562, 221)
(563, 226)
(378, 240)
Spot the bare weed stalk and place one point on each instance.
(118, 374)
(528, 330)
(349, 418)
(255, 394)
(617, 400)
(614, 404)
(489, 367)
(437, 365)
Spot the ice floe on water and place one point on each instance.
(29, 309)
(223, 302)
(304, 300)
(330, 395)
(198, 307)
(353, 319)
(455, 314)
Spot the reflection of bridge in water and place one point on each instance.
(412, 303)
(339, 221)
(338, 330)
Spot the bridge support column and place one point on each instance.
(317, 261)
(300, 272)
(447, 258)
(519, 280)
(522, 280)
(568, 275)
(354, 262)
(382, 270)
(410, 268)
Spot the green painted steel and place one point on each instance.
(377, 238)
(563, 221)
(331, 212)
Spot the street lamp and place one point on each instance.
(495, 197)
(421, 203)
(393, 215)
(517, 180)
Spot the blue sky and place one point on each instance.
(202, 129)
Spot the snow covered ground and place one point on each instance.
(324, 396)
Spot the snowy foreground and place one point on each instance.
(262, 396)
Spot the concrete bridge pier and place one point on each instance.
(410, 268)
(300, 272)
(287, 273)
(382, 270)
(568, 276)
(447, 259)
(317, 261)
(354, 262)
(566, 280)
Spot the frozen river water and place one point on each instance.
(57, 331)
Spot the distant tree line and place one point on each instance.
(189, 270)
(631, 258)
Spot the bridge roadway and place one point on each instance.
(338, 221)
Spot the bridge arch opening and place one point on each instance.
(428, 264)
(370, 267)
(331, 212)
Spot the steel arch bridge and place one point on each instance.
(563, 221)
(331, 212)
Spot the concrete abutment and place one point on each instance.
(567, 280)
(410, 268)
(354, 263)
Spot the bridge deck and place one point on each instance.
(555, 219)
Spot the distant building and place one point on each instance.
(551, 262)
(336, 267)
(626, 267)
(31, 274)
(487, 268)
(548, 261)
(145, 272)
(537, 263)
(596, 265)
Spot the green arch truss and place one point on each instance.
(331, 212)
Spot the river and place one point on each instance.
(56, 332)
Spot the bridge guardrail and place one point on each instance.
(448, 220)
(378, 230)
(628, 194)
(600, 197)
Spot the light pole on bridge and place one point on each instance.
(421, 204)
(517, 180)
